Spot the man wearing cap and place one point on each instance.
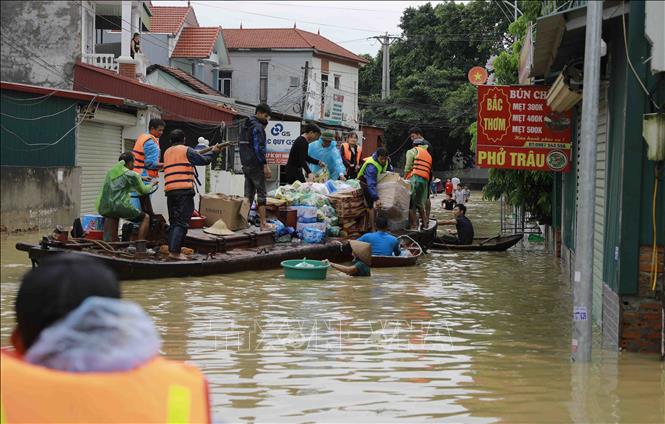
(416, 133)
(325, 150)
(253, 158)
(418, 170)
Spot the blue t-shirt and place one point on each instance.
(383, 244)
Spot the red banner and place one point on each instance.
(517, 130)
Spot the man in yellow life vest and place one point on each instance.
(83, 355)
(351, 155)
(418, 170)
(179, 184)
(368, 176)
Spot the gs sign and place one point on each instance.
(280, 137)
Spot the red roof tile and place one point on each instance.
(186, 79)
(285, 38)
(168, 19)
(196, 42)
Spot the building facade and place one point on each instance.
(629, 210)
(295, 72)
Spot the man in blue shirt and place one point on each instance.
(383, 243)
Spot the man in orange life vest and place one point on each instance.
(146, 159)
(418, 170)
(84, 355)
(351, 154)
(179, 183)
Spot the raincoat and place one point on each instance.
(101, 335)
(114, 201)
(330, 156)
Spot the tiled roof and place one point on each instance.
(186, 79)
(168, 19)
(285, 38)
(196, 42)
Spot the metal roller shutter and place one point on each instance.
(99, 146)
(599, 204)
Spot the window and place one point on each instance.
(324, 86)
(295, 82)
(224, 83)
(263, 82)
(337, 82)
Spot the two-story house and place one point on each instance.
(286, 67)
(175, 39)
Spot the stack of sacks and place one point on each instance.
(395, 195)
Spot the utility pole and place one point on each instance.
(583, 276)
(385, 41)
(304, 90)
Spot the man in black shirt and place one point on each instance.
(464, 227)
(298, 157)
(448, 203)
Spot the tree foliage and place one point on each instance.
(428, 67)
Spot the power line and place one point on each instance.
(37, 118)
(288, 19)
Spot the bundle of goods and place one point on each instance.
(395, 195)
(351, 210)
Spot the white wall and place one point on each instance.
(282, 66)
(348, 88)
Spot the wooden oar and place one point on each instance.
(489, 239)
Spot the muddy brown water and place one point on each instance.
(462, 337)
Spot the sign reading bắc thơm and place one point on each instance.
(517, 130)
(280, 135)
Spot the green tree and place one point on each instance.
(428, 72)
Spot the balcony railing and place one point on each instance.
(550, 7)
(105, 60)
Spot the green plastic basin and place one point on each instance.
(316, 272)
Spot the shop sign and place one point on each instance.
(280, 135)
(517, 130)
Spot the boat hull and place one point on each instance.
(499, 245)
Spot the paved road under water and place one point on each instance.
(475, 337)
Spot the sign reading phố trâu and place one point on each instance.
(280, 135)
(517, 130)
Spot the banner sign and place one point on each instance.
(280, 135)
(517, 130)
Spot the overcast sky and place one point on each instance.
(347, 23)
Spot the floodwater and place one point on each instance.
(474, 337)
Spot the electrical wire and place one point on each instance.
(630, 63)
(37, 118)
(654, 249)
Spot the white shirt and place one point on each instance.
(459, 196)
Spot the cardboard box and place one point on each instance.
(233, 210)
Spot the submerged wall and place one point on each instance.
(38, 198)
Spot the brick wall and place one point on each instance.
(127, 69)
(641, 315)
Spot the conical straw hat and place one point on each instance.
(362, 250)
(219, 228)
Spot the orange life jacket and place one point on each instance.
(346, 152)
(422, 164)
(160, 391)
(139, 154)
(178, 171)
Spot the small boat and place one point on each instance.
(226, 256)
(498, 243)
(414, 252)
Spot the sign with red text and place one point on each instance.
(517, 130)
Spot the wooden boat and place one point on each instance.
(414, 249)
(482, 244)
(129, 265)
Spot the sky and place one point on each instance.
(348, 23)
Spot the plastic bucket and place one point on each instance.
(316, 272)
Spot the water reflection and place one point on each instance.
(472, 337)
